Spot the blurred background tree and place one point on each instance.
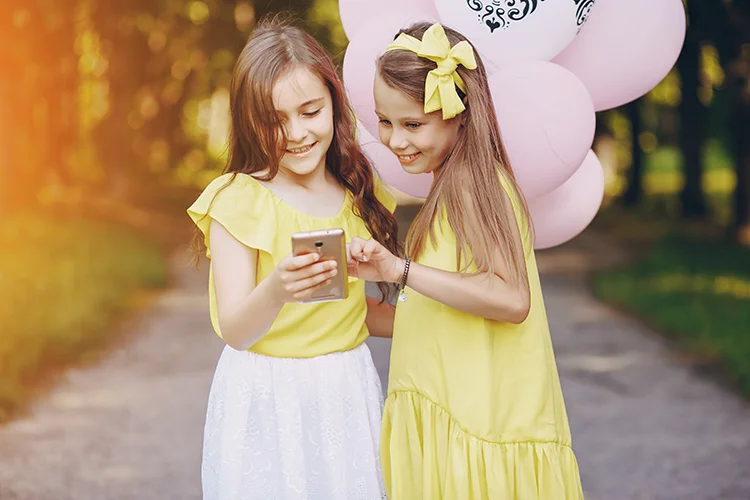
(125, 101)
(118, 111)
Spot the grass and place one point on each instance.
(694, 290)
(62, 282)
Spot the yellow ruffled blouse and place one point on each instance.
(261, 220)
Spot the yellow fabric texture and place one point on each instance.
(475, 409)
(259, 219)
(441, 82)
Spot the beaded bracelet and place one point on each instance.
(402, 286)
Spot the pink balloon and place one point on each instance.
(562, 214)
(547, 123)
(366, 46)
(356, 13)
(626, 48)
(389, 168)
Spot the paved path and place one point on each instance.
(645, 425)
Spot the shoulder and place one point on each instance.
(229, 192)
(384, 195)
(239, 203)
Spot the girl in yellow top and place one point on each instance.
(295, 406)
(474, 407)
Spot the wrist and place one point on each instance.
(273, 290)
(399, 268)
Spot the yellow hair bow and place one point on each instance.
(440, 86)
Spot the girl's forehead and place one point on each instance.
(389, 100)
(296, 87)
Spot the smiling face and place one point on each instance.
(303, 103)
(421, 141)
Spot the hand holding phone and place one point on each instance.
(330, 247)
(297, 278)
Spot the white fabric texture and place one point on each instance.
(293, 429)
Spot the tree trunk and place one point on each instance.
(739, 81)
(731, 33)
(22, 75)
(692, 135)
(60, 89)
(634, 193)
(741, 222)
(127, 55)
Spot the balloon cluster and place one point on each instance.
(552, 64)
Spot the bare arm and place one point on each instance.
(488, 296)
(380, 318)
(246, 311)
(495, 296)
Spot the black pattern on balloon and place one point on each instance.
(583, 8)
(501, 13)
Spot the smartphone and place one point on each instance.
(331, 245)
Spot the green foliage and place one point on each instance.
(325, 24)
(61, 283)
(696, 291)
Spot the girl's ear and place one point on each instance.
(462, 116)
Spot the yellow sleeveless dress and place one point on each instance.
(474, 407)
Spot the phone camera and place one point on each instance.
(318, 244)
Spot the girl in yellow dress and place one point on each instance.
(474, 407)
(295, 406)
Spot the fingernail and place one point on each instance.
(360, 259)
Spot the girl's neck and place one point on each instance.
(317, 194)
(315, 180)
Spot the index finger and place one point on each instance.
(300, 261)
(356, 247)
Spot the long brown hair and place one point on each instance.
(468, 184)
(257, 138)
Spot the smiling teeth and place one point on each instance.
(408, 157)
(301, 150)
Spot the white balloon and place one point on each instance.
(513, 30)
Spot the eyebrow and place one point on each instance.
(317, 100)
(311, 101)
(403, 119)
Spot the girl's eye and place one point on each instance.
(384, 122)
(310, 114)
(413, 125)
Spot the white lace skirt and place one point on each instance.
(293, 429)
